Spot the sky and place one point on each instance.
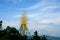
(42, 15)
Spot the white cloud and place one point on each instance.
(42, 18)
(44, 5)
(40, 4)
(17, 16)
(11, 24)
(47, 8)
(44, 25)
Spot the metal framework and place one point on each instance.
(23, 26)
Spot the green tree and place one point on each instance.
(35, 36)
(13, 34)
(0, 25)
(44, 38)
(9, 34)
(24, 37)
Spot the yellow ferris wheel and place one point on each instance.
(23, 22)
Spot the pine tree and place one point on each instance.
(44, 38)
(36, 37)
(0, 25)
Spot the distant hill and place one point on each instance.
(48, 37)
(52, 38)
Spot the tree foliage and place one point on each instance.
(11, 33)
(36, 37)
(0, 25)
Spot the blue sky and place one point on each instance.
(42, 15)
